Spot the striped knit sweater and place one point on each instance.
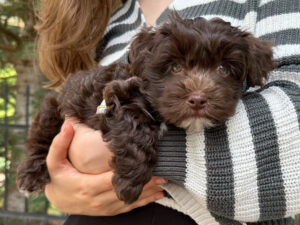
(248, 169)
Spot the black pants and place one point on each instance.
(152, 214)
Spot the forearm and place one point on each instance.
(247, 170)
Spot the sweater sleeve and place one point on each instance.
(247, 169)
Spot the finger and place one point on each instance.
(108, 204)
(142, 202)
(59, 148)
(150, 191)
(109, 198)
(156, 181)
(148, 195)
(97, 184)
(101, 187)
(149, 199)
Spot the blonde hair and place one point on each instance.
(67, 33)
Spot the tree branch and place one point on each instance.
(8, 47)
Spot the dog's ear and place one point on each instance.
(131, 136)
(259, 61)
(119, 93)
(259, 55)
(142, 44)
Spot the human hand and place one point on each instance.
(88, 153)
(89, 194)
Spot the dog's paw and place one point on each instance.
(126, 190)
(32, 179)
(27, 184)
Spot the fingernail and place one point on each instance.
(159, 195)
(161, 181)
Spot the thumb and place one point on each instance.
(58, 151)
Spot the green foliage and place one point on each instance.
(2, 62)
(11, 221)
(8, 72)
(37, 203)
(16, 139)
(17, 18)
(15, 8)
(28, 50)
(36, 100)
(7, 80)
(2, 162)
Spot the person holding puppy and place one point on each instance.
(246, 171)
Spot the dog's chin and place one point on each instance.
(195, 124)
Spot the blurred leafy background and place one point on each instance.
(18, 71)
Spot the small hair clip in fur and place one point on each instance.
(101, 109)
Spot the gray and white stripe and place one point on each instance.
(122, 28)
(220, 179)
(285, 108)
(265, 139)
(244, 166)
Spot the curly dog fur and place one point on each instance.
(188, 73)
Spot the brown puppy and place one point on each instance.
(189, 73)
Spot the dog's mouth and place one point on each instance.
(195, 124)
(200, 119)
(203, 113)
(197, 115)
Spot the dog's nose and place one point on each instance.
(197, 101)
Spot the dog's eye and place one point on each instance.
(222, 70)
(176, 68)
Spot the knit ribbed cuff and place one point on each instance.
(172, 155)
(288, 68)
(285, 221)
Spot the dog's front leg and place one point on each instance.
(132, 134)
(32, 174)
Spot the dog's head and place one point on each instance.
(194, 70)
